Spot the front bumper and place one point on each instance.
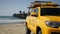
(53, 30)
(54, 33)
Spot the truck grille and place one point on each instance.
(54, 33)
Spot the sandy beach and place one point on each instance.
(13, 29)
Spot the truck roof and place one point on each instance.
(42, 3)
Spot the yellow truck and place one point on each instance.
(43, 18)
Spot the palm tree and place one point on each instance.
(20, 11)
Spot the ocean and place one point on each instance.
(10, 19)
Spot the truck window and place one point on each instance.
(50, 11)
(36, 10)
(29, 12)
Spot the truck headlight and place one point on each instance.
(52, 24)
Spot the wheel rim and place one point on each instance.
(40, 32)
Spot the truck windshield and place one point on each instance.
(50, 11)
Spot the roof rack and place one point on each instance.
(42, 3)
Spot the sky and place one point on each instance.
(9, 7)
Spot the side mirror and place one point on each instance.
(33, 14)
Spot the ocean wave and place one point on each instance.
(12, 21)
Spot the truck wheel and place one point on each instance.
(27, 30)
(39, 32)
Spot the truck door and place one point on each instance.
(33, 19)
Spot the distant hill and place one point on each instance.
(21, 14)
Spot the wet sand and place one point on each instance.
(13, 28)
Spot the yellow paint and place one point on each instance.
(40, 21)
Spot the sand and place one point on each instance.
(13, 29)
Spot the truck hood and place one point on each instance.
(53, 18)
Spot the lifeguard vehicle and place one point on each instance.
(43, 18)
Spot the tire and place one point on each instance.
(39, 32)
(27, 30)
